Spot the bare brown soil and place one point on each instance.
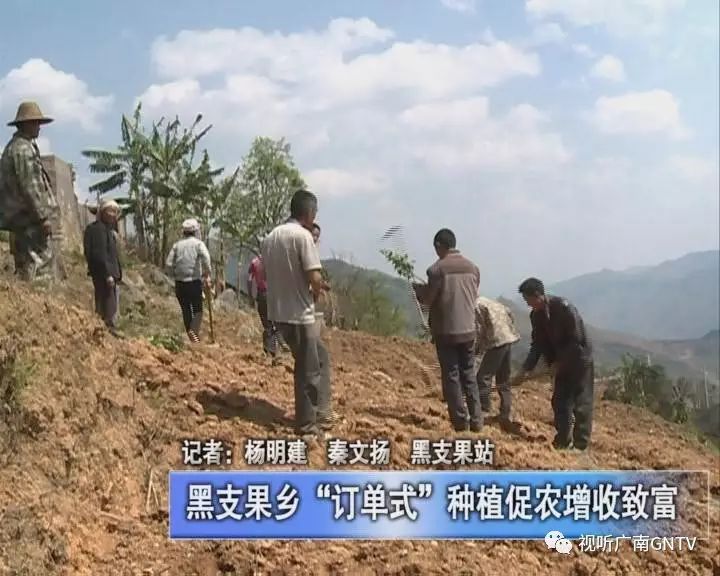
(94, 416)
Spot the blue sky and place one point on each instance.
(556, 137)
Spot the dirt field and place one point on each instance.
(90, 418)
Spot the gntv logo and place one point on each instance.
(639, 543)
(664, 544)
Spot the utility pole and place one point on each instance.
(705, 384)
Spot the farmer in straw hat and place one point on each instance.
(189, 264)
(101, 254)
(27, 201)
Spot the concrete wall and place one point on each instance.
(62, 179)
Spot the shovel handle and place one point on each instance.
(209, 298)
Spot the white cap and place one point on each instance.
(191, 225)
(109, 204)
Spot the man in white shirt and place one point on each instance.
(189, 264)
(293, 273)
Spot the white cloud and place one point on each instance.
(464, 6)
(61, 95)
(335, 182)
(326, 69)
(695, 169)
(652, 112)
(625, 17)
(548, 33)
(583, 50)
(460, 136)
(404, 124)
(196, 53)
(609, 68)
(339, 93)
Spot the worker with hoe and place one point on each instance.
(27, 202)
(450, 294)
(558, 335)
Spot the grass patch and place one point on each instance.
(171, 342)
(16, 372)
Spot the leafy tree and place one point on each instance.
(405, 268)
(363, 306)
(268, 181)
(643, 384)
(170, 149)
(215, 213)
(166, 182)
(125, 166)
(157, 171)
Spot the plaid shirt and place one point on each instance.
(27, 196)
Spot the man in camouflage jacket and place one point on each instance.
(496, 333)
(27, 201)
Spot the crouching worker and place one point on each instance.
(558, 334)
(188, 263)
(496, 333)
(101, 255)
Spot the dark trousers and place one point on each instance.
(573, 397)
(106, 300)
(457, 366)
(190, 297)
(311, 376)
(496, 364)
(270, 338)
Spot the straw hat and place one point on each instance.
(29, 112)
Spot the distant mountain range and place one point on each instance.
(688, 357)
(677, 299)
(680, 358)
(668, 312)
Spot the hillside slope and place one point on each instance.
(688, 358)
(677, 299)
(680, 358)
(95, 418)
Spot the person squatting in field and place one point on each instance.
(188, 263)
(558, 335)
(496, 333)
